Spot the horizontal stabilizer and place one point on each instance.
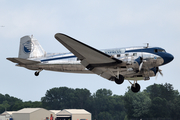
(23, 61)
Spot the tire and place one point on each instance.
(36, 73)
(136, 88)
(120, 80)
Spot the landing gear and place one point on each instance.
(135, 88)
(37, 72)
(119, 80)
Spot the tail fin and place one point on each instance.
(30, 48)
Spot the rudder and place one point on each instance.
(30, 48)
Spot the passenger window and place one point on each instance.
(134, 54)
(118, 55)
(126, 54)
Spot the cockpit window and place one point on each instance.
(155, 50)
(161, 50)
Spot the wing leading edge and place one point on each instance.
(90, 57)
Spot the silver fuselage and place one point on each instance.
(68, 62)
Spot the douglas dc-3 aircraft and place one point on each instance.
(132, 63)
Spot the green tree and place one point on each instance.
(101, 101)
(163, 91)
(137, 105)
(17, 106)
(118, 108)
(30, 104)
(58, 98)
(7, 102)
(5, 105)
(163, 100)
(175, 108)
(106, 105)
(159, 108)
(63, 98)
(2, 98)
(105, 116)
(82, 98)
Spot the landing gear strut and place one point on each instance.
(37, 72)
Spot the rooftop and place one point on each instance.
(28, 110)
(73, 111)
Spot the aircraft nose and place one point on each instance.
(168, 58)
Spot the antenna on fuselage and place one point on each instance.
(147, 45)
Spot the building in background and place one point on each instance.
(43, 114)
(73, 114)
(7, 115)
(32, 114)
(55, 112)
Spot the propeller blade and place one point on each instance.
(157, 75)
(140, 66)
(160, 71)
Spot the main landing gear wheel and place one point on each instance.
(120, 80)
(37, 72)
(135, 87)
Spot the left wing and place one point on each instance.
(90, 57)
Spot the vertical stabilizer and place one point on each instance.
(30, 48)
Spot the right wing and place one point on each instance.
(23, 61)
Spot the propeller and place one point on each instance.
(141, 63)
(140, 66)
(158, 71)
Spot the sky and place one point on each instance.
(101, 24)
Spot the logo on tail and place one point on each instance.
(28, 47)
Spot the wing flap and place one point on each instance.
(23, 61)
(87, 54)
(103, 72)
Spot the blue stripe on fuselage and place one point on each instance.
(148, 50)
(58, 58)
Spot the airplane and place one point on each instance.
(119, 64)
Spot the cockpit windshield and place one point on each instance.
(159, 50)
